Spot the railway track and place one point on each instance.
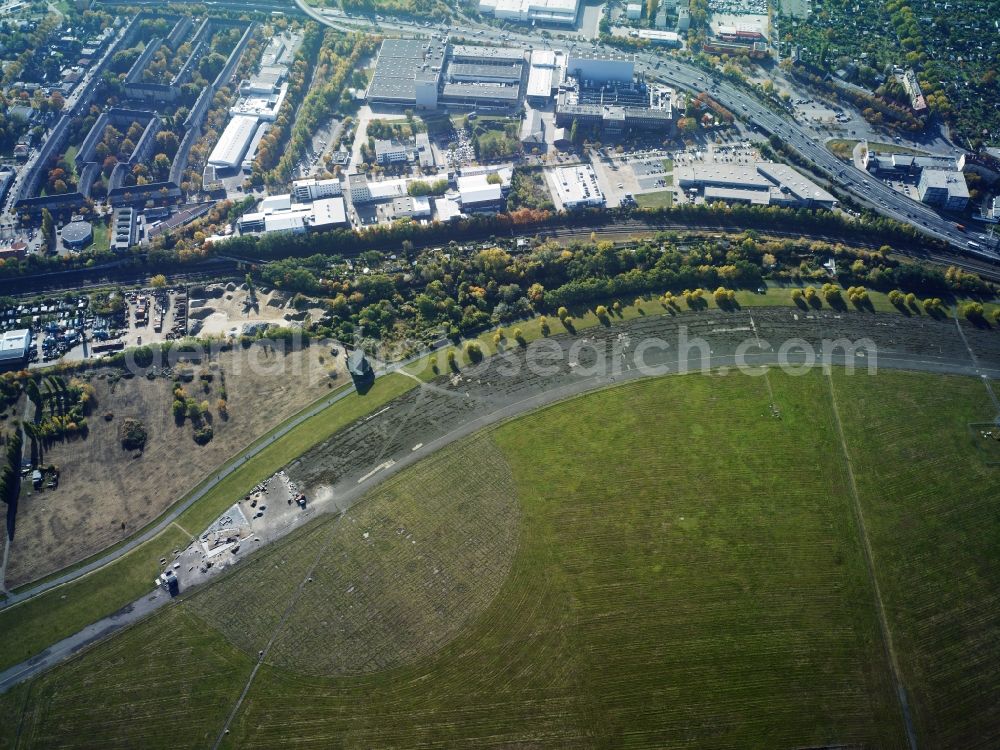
(227, 267)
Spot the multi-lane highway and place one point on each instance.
(863, 187)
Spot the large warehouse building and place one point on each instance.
(593, 68)
(407, 73)
(761, 184)
(424, 75)
(233, 143)
(562, 12)
(577, 187)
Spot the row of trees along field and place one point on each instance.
(471, 288)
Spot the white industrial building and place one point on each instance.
(576, 187)
(14, 347)
(544, 74)
(604, 68)
(228, 152)
(262, 106)
(363, 190)
(762, 184)
(277, 213)
(633, 11)
(447, 209)
(532, 11)
(251, 151)
(477, 192)
(657, 36)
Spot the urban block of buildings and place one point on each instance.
(141, 94)
(939, 179)
(261, 97)
(279, 214)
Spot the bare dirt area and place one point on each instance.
(231, 310)
(106, 493)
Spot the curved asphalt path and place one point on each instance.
(355, 486)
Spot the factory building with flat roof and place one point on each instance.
(14, 348)
(425, 75)
(563, 12)
(233, 143)
(596, 68)
(278, 213)
(600, 92)
(763, 183)
(577, 187)
(407, 73)
(545, 73)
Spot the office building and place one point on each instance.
(390, 152)
(909, 165)
(312, 189)
(943, 188)
(683, 18)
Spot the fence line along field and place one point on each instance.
(677, 565)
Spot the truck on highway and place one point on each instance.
(973, 245)
(960, 227)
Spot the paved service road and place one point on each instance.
(338, 473)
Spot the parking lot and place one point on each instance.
(147, 318)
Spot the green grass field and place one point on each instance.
(161, 685)
(436, 552)
(931, 502)
(687, 573)
(657, 199)
(102, 236)
(844, 148)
